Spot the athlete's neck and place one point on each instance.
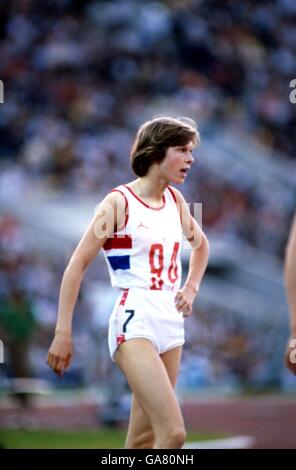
(148, 188)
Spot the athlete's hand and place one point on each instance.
(60, 353)
(290, 355)
(184, 300)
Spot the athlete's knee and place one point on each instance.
(144, 440)
(176, 437)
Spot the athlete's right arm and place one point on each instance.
(110, 214)
(290, 284)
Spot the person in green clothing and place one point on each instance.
(17, 325)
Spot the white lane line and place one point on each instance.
(237, 442)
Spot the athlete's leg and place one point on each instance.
(140, 434)
(153, 391)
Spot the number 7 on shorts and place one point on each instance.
(131, 314)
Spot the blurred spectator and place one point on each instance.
(17, 325)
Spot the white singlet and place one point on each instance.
(144, 262)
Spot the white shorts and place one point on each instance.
(143, 313)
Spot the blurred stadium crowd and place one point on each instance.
(78, 78)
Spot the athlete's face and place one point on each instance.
(177, 163)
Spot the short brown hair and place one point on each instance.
(156, 136)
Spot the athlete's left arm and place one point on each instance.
(198, 258)
(290, 284)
